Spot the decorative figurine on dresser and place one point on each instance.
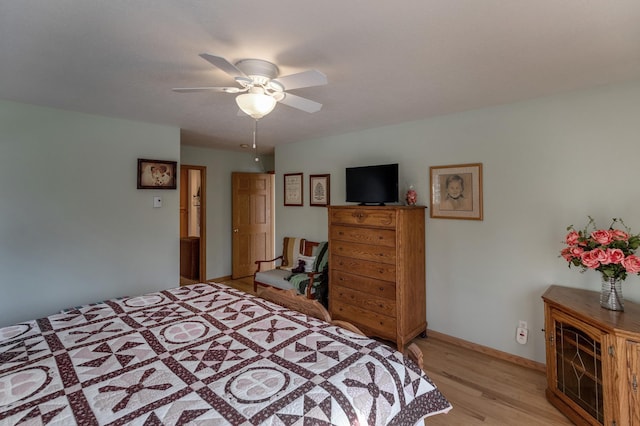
(412, 196)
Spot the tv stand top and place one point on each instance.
(377, 206)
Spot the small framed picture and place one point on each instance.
(319, 195)
(456, 191)
(157, 174)
(293, 189)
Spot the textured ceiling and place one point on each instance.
(386, 62)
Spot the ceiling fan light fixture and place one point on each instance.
(256, 105)
(244, 81)
(275, 86)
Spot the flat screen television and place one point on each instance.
(372, 184)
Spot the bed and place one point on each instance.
(204, 354)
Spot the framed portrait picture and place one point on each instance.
(293, 189)
(456, 191)
(319, 194)
(157, 174)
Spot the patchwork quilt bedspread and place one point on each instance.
(203, 354)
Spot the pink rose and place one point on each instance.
(618, 235)
(566, 253)
(572, 238)
(589, 259)
(576, 251)
(599, 254)
(632, 264)
(614, 256)
(601, 236)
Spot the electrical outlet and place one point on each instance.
(521, 335)
(522, 324)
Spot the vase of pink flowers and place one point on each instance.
(611, 294)
(608, 251)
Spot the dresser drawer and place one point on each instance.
(367, 217)
(364, 251)
(371, 323)
(382, 271)
(364, 300)
(377, 288)
(379, 237)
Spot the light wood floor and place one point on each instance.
(482, 389)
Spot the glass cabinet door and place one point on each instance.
(578, 357)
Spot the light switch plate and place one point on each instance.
(157, 202)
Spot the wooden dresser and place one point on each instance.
(377, 270)
(593, 358)
(190, 258)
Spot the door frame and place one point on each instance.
(202, 276)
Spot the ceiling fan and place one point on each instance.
(259, 79)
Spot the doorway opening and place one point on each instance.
(193, 224)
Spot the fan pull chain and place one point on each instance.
(255, 145)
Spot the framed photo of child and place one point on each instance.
(456, 191)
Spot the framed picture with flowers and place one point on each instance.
(319, 190)
(456, 191)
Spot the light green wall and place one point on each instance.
(220, 165)
(73, 227)
(548, 163)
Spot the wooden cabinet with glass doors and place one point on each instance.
(593, 358)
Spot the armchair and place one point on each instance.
(283, 277)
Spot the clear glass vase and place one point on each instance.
(611, 294)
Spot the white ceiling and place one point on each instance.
(386, 62)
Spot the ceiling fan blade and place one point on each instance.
(208, 89)
(308, 78)
(301, 103)
(223, 64)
